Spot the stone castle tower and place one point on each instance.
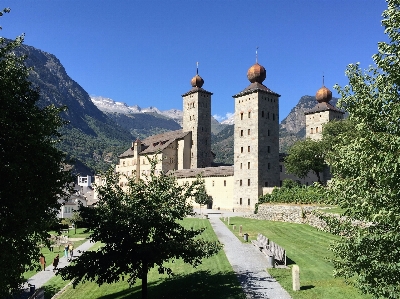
(197, 119)
(256, 140)
(322, 113)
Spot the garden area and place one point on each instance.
(306, 247)
(214, 278)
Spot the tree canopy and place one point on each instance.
(140, 227)
(305, 156)
(367, 170)
(31, 169)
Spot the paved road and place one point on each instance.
(249, 264)
(42, 277)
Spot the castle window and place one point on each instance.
(213, 183)
(269, 165)
(190, 117)
(241, 132)
(248, 149)
(248, 182)
(248, 201)
(144, 161)
(248, 165)
(249, 114)
(316, 130)
(240, 201)
(268, 115)
(241, 149)
(241, 165)
(262, 113)
(269, 132)
(268, 149)
(123, 163)
(312, 130)
(248, 131)
(273, 116)
(241, 116)
(280, 168)
(266, 184)
(224, 183)
(240, 183)
(280, 183)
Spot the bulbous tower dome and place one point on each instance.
(323, 95)
(256, 73)
(197, 81)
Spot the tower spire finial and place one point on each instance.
(323, 79)
(197, 69)
(257, 54)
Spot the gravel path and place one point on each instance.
(249, 264)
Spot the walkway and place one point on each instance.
(39, 279)
(248, 263)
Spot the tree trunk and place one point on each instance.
(144, 281)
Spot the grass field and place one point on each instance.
(50, 255)
(214, 278)
(308, 248)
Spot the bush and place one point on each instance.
(291, 192)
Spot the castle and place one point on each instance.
(257, 167)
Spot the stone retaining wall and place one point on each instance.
(289, 213)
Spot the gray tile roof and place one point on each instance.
(156, 143)
(323, 107)
(255, 87)
(196, 89)
(205, 172)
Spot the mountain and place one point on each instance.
(91, 137)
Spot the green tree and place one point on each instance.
(367, 170)
(32, 176)
(75, 219)
(305, 156)
(140, 228)
(201, 197)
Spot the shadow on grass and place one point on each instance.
(201, 284)
(303, 288)
(50, 291)
(289, 261)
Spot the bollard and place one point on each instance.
(240, 230)
(246, 237)
(233, 227)
(228, 220)
(296, 278)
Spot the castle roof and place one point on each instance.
(196, 89)
(204, 172)
(156, 143)
(323, 106)
(253, 87)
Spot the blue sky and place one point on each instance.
(145, 52)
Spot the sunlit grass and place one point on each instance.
(214, 278)
(309, 249)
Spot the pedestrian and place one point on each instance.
(66, 251)
(42, 260)
(55, 262)
(71, 251)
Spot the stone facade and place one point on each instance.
(197, 119)
(316, 120)
(256, 144)
(301, 214)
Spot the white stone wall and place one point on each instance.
(220, 188)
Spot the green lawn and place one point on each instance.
(50, 255)
(308, 248)
(213, 279)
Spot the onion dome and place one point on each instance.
(323, 95)
(197, 81)
(256, 73)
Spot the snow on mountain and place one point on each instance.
(229, 121)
